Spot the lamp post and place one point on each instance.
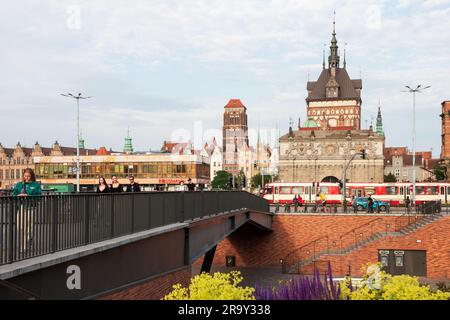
(77, 97)
(419, 89)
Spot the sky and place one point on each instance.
(165, 69)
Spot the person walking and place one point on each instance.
(295, 201)
(408, 204)
(26, 208)
(190, 185)
(115, 185)
(133, 186)
(370, 204)
(102, 186)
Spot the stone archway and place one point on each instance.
(330, 179)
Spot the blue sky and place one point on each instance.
(167, 68)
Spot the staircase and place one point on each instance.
(418, 222)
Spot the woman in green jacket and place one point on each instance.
(28, 186)
(26, 190)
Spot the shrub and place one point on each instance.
(378, 285)
(220, 286)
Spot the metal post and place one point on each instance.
(413, 194)
(78, 145)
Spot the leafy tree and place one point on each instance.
(256, 180)
(220, 286)
(439, 172)
(240, 180)
(390, 178)
(221, 180)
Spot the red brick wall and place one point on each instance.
(254, 248)
(154, 289)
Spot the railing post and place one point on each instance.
(132, 212)
(86, 222)
(149, 211)
(55, 224)
(202, 209)
(112, 217)
(12, 243)
(182, 211)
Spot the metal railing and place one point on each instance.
(35, 226)
(308, 251)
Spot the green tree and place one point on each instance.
(439, 172)
(256, 180)
(240, 180)
(390, 178)
(221, 180)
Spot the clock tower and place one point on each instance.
(334, 100)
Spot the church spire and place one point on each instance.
(324, 56)
(380, 121)
(333, 59)
(128, 146)
(345, 55)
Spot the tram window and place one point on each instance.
(369, 190)
(268, 190)
(298, 190)
(420, 190)
(448, 190)
(285, 190)
(390, 191)
(276, 190)
(323, 190)
(408, 191)
(401, 191)
(442, 190)
(432, 190)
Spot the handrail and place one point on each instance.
(288, 256)
(38, 225)
(370, 223)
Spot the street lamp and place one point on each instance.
(419, 89)
(77, 97)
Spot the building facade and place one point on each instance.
(323, 146)
(445, 138)
(334, 100)
(13, 161)
(321, 155)
(154, 171)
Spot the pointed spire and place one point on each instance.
(380, 121)
(345, 55)
(128, 146)
(333, 59)
(81, 141)
(291, 132)
(324, 56)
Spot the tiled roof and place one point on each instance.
(347, 87)
(235, 103)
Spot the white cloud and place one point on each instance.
(167, 60)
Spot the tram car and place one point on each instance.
(393, 193)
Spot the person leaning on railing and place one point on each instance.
(26, 207)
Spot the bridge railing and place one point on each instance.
(35, 226)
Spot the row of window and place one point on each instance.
(332, 112)
(153, 170)
(12, 174)
(15, 161)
